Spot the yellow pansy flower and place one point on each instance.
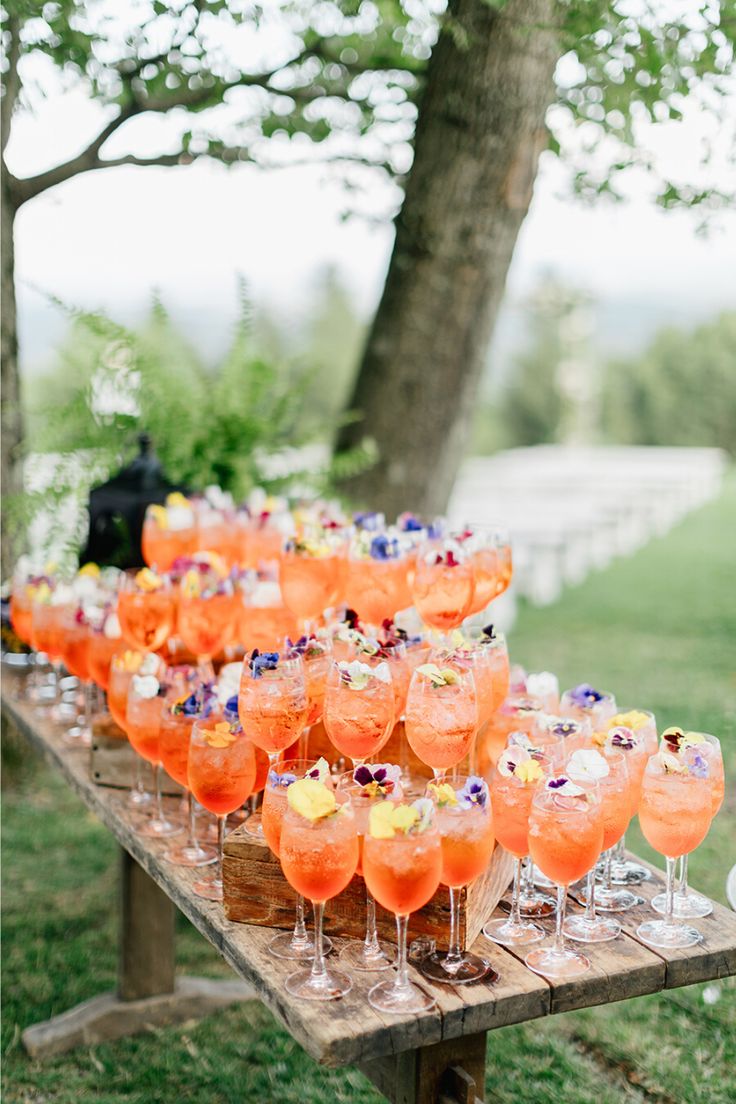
(311, 799)
(380, 821)
(443, 793)
(91, 570)
(528, 771)
(221, 736)
(160, 515)
(190, 587)
(634, 720)
(176, 498)
(404, 817)
(148, 580)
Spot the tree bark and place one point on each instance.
(11, 477)
(479, 134)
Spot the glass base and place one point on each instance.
(329, 986)
(296, 949)
(629, 873)
(388, 996)
(690, 906)
(557, 964)
(358, 956)
(471, 968)
(658, 933)
(535, 905)
(253, 826)
(209, 888)
(189, 855)
(159, 829)
(607, 900)
(139, 798)
(509, 934)
(599, 930)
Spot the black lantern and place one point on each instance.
(117, 509)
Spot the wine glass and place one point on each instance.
(441, 713)
(674, 815)
(272, 701)
(443, 584)
(146, 609)
(465, 823)
(515, 778)
(359, 708)
(168, 532)
(312, 571)
(366, 786)
(376, 575)
(689, 905)
(318, 850)
(207, 611)
(221, 771)
(607, 771)
(584, 702)
(297, 944)
(565, 837)
(402, 865)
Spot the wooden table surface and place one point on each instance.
(349, 1031)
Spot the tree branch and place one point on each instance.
(11, 81)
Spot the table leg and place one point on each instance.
(148, 994)
(450, 1072)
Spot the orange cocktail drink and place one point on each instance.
(123, 665)
(312, 573)
(221, 772)
(565, 838)
(318, 852)
(518, 713)
(441, 713)
(359, 708)
(168, 532)
(146, 609)
(263, 621)
(105, 639)
(465, 823)
(21, 611)
(675, 814)
(402, 866)
(315, 653)
(376, 576)
(272, 701)
(513, 785)
(443, 584)
(143, 717)
(207, 611)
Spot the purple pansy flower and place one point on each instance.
(585, 695)
(384, 548)
(622, 737)
(409, 523)
(275, 779)
(489, 632)
(697, 764)
(474, 792)
(381, 777)
(565, 728)
(262, 661)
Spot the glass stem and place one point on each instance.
(670, 893)
(318, 962)
(220, 846)
(453, 959)
(528, 877)
(192, 821)
(402, 970)
(619, 851)
(157, 788)
(138, 776)
(370, 942)
(300, 928)
(590, 896)
(682, 889)
(515, 913)
(304, 742)
(559, 943)
(87, 706)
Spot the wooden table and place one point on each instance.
(438, 1056)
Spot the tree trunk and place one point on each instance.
(479, 135)
(11, 416)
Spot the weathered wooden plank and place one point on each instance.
(713, 957)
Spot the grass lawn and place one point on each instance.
(658, 630)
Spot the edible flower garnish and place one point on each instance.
(230, 709)
(438, 677)
(620, 736)
(160, 515)
(474, 792)
(262, 661)
(634, 719)
(446, 559)
(310, 647)
(519, 762)
(89, 570)
(585, 695)
(442, 793)
(672, 764)
(381, 778)
(111, 626)
(365, 645)
(357, 675)
(409, 523)
(383, 547)
(529, 772)
(369, 520)
(565, 726)
(586, 765)
(129, 661)
(320, 771)
(489, 632)
(199, 703)
(674, 740)
(221, 736)
(311, 799)
(148, 580)
(563, 786)
(288, 778)
(145, 686)
(542, 684)
(697, 764)
(387, 818)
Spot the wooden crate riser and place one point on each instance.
(256, 892)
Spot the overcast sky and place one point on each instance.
(108, 238)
